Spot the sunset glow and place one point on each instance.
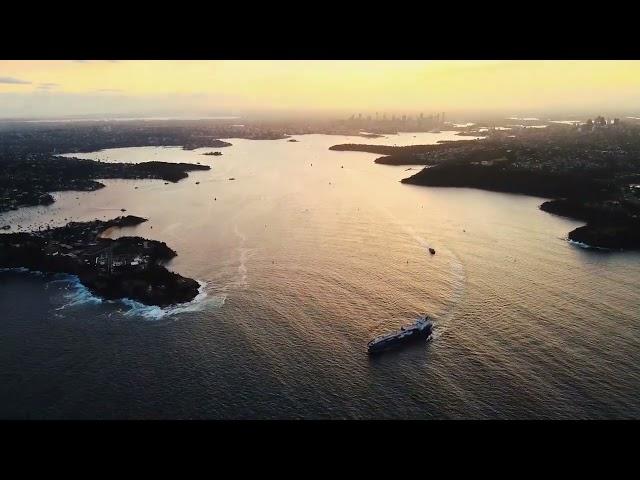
(45, 88)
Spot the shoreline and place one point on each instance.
(534, 164)
(23, 187)
(152, 312)
(126, 267)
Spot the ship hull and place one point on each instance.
(398, 342)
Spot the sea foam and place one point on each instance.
(79, 295)
(586, 246)
(154, 312)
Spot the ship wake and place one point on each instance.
(458, 277)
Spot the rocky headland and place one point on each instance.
(127, 267)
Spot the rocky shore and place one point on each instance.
(608, 236)
(611, 224)
(128, 267)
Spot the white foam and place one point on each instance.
(78, 294)
(245, 253)
(459, 289)
(436, 333)
(587, 246)
(240, 235)
(154, 312)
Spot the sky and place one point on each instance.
(62, 88)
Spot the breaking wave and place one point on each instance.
(586, 246)
(79, 295)
(153, 312)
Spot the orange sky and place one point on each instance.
(41, 88)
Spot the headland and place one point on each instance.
(127, 267)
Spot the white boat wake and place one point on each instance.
(458, 276)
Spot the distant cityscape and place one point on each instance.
(386, 121)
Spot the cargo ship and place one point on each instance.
(420, 329)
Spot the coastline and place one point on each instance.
(83, 295)
(23, 187)
(126, 267)
(597, 196)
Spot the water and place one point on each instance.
(566, 122)
(302, 259)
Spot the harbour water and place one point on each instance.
(304, 257)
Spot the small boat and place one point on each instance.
(432, 251)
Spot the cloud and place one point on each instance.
(13, 81)
(48, 85)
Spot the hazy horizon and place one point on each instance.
(322, 89)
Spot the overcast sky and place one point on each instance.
(82, 87)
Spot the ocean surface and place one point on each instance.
(303, 258)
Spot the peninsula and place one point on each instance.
(29, 179)
(128, 267)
